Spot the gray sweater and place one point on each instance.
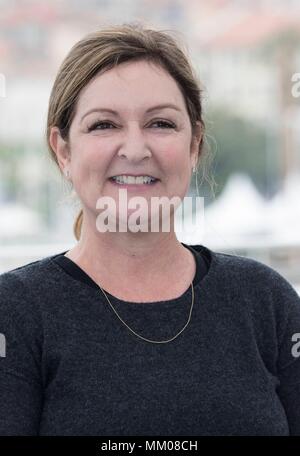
(68, 366)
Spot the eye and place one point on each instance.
(99, 124)
(104, 125)
(164, 124)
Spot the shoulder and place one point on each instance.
(29, 273)
(22, 287)
(253, 289)
(253, 273)
(245, 269)
(249, 280)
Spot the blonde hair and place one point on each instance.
(103, 49)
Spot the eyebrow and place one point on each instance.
(153, 108)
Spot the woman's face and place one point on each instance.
(140, 138)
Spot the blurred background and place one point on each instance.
(247, 56)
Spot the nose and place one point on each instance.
(134, 146)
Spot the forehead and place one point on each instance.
(131, 85)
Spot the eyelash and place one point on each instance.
(99, 123)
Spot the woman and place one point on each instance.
(133, 332)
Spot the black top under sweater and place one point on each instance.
(69, 366)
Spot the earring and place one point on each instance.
(67, 173)
(194, 169)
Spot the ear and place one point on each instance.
(196, 140)
(60, 147)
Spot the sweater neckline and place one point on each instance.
(203, 257)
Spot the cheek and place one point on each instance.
(176, 155)
(176, 166)
(91, 156)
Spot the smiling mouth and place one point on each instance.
(133, 181)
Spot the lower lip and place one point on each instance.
(135, 187)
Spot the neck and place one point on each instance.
(142, 257)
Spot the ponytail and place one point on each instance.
(78, 224)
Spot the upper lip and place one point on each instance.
(134, 175)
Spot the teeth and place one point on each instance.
(133, 180)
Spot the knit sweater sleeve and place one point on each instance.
(20, 353)
(289, 356)
(274, 308)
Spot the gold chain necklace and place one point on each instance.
(144, 338)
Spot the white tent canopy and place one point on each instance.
(240, 215)
(283, 216)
